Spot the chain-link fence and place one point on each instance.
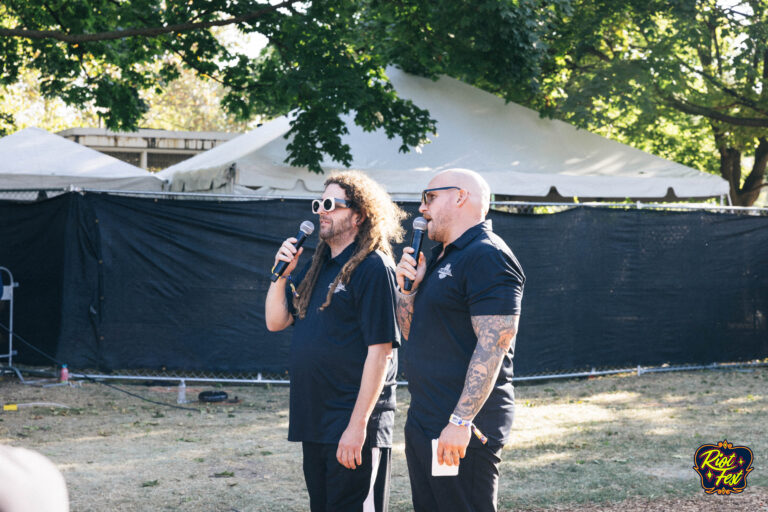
(171, 378)
(30, 195)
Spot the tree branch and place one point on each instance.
(765, 72)
(698, 110)
(738, 13)
(718, 57)
(743, 100)
(53, 14)
(597, 53)
(755, 177)
(137, 32)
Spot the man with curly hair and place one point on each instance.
(343, 358)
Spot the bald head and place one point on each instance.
(472, 182)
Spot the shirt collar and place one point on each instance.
(343, 257)
(464, 239)
(471, 234)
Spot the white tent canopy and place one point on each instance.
(518, 153)
(35, 159)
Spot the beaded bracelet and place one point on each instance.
(290, 282)
(466, 423)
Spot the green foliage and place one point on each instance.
(686, 79)
(323, 59)
(6, 124)
(496, 45)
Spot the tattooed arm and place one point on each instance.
(495, 336)
(404, 312)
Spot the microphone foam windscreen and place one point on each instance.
(307, 227)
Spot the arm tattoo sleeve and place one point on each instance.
(404, 313)
(495, 336)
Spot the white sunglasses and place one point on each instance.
(328, 204)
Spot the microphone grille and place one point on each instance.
(307, 227)
(420, 223)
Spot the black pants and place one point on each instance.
(474, 489)
(332, 487)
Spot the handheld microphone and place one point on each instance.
(305, 230)
(419, 228)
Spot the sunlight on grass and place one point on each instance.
(661, 431)
(616, 397)
(123, 436)
(650, 414)
(744, 400)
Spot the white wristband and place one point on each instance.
(456, 420)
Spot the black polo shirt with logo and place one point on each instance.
(329, 348)
(477, 275)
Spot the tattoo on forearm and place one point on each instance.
(404, 313)
(495, 337)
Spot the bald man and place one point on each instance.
(460, 320)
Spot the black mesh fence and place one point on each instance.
(157, 286)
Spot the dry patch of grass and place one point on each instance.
(607, 440)
(623, 443)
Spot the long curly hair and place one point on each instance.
(381, 226)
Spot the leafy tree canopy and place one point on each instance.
(687, 79)
(323, 59)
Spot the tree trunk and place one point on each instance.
(730, 169)
(755, 182)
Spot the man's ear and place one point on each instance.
(463, 196)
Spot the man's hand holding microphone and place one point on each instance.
(276, 308)
(288, 255)
(409, 273)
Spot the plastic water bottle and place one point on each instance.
(182, 398)
(64, 374)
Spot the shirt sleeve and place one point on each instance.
(494, 283)
(375, 302)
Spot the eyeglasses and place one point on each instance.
(328, 204)
(426, 197)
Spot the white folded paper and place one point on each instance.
(441, 469)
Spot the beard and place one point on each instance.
(436, 230)
(336, 228)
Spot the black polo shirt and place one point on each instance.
(329, 347)
(477, 275)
